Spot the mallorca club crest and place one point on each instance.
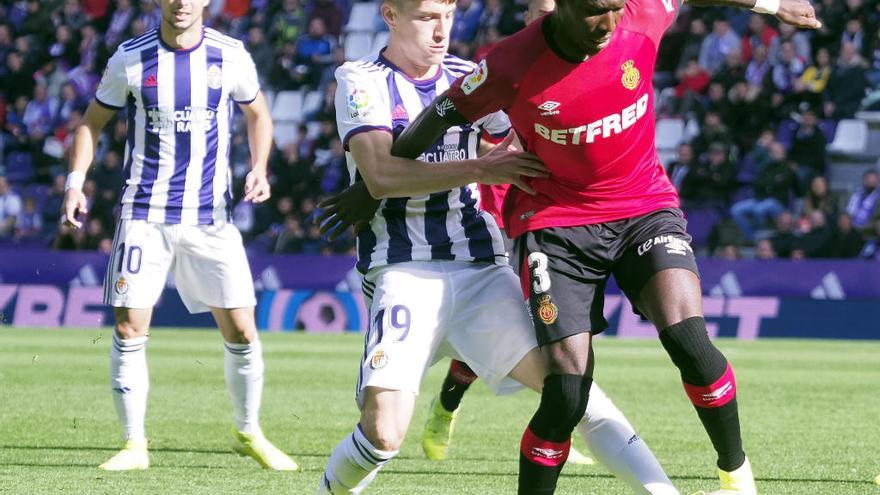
(379, 360)
(121, 286)
(547, 310)
(215, 77)
(631, 75)
(358, 103)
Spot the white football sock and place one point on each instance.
(614, 442)
(243, 367)
(353, 465)
(130, 382)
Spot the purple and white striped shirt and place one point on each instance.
(180, 107)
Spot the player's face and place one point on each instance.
(182, 14)
(587, 25)
(421, 29)
(538, 8)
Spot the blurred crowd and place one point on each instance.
(761, 102)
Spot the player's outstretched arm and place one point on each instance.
(85, 140)
(798, 13)
(259, 129)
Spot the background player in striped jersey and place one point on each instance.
(436, 275)
(178, 85)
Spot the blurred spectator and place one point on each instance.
(863, 205)
(314, 51)
(39, 115)
(847, 242)
(813, 81)
(684, 162)
(727, 252)
(764, 250)
(119, 23)
(17, 82)
(871, 249)
(759, 33)
(819, 197)
(150, 16)
(758, 69)
(847, 84)
(70, 102)
(816, 236)
(732, 71)
(710, 183)
(261, 51)
(467, 21)
(28, 224)
(290, 240)
(715, 47)
(53, 202)
(788, 69)
(808, 147)
(798, 39)
(854, 34)
(65, 48)
(713, 130)
(783, 237)
(10, 208)
(288, 24)
(775, 184)
(693, 81)
(327, 11)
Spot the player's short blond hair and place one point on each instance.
(398, 4)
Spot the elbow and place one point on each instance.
(377, 187)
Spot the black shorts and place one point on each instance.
(566, 268)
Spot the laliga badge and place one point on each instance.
(546, 310)
(379, 360)
(215, 77)
(121, 286)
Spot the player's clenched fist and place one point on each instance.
(74, 204)
(505, 164)
(799, 13)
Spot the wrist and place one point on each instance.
(75, 180)
(766, 6)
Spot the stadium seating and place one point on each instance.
(357, 45)
(669, 133)
(288, 107)
(850, 138)
(362, 16)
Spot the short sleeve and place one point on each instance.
(651, 17)
(113, 89)
(361, 104)
(247, 83)
(496, 124)
(484, 91)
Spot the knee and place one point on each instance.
(565, 398)
(385, 436)
(127, 330)
(241, 335)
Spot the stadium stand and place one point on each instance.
(815, 93)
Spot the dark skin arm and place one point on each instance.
(798, 13)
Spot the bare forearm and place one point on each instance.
(421, 132)
(85, 140)
(401, 177)
(260, 140)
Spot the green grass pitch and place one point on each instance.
(810, 412)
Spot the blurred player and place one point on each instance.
(178, 85)
(577, 87)
(436, 279)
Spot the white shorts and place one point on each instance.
(422, 311)
(208, 264)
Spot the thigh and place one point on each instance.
(564, 280)
(139, 264)
(652, 244)
(406, 316)
(212, 270)
(489, 327)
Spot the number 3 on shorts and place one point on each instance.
(540, 277)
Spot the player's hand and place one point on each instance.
(74, 205)
(798, 13)
(352, 207)
(256, 186)
(505, 164)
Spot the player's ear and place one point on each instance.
(389, 13)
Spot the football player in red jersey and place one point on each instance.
(577, 88)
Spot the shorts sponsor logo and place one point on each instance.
(549, 107)
(121, 286)
(547, 310)
(215, 77)
(475, 79)
(674, 245)
(379, 360)
(631, 75)
(358, 104)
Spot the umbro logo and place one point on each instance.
(546, 453)
(444, 106)
(150, 81)
(549, 107)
